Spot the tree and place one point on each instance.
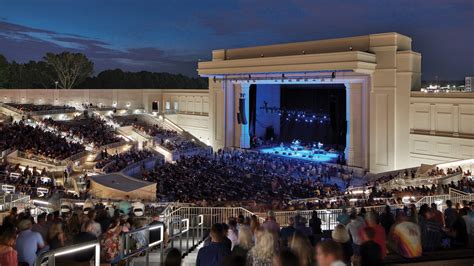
(3, 71)
(38, 74)
(71, 68)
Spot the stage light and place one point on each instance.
(311, 121)
(325, 117)
(314, 116)
(321, 121)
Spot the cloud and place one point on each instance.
(22, 43)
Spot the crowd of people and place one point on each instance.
(23, 238)
(243, 176)
(117, 162)
(179, 144)
(88, 130)
(31, 181)
(40, 107)
(364, 238)
(35, 141)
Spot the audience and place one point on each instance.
(87, 130)
(35, 141)
(214, 253)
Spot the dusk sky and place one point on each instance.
(170, 36)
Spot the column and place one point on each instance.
(354, 146)
(245, 134)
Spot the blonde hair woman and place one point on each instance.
(301, 246)
(341, 236)
(245, 242)
(263, 251)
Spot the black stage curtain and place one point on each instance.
(252, 108)
(327, 99)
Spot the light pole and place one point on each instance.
(56, 83)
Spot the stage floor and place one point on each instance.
(301, 154)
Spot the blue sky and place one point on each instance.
(172, 35)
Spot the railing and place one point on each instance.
(115, 145)
(211, 215)
(133, 169)
(49, 258)
(41, 159)
(54, 111)
(127, 252)
(183, 232)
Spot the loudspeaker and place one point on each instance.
(239, 120)
(243, 118)
(269, 132)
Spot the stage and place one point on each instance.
(316, 155)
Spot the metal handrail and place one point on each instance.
(52, 254)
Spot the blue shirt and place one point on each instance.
(212, 255)
(27, 245)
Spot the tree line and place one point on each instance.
(74, 70)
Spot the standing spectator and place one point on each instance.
(286, 258)
(8, 255)
(271, 224)
(263, 251)
(469, 220)
(387, 219)
(214, 253)
(341, 236)
(245, 242)
(354, 227)
(370, 251)
(124, 206)
(172, 257)
(329, 253)
(40, 226)
(232, 233)
(11, 219)
(315, 224)
(301, 246)
(28, 243)
(56, 236)
(458, 231)
(379, 236)
(96, 228)
(288, 231)
(84, 236)
(431, 231)
(343, 218)
(438, 215)
(449, 214)
(110, 242)
(405, 237)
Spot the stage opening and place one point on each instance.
(305, 121)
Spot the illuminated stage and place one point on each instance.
(302, 154)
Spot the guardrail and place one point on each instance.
(116, 144)
(49, 258)
(186, 231)
(41, 159)
(53, 112)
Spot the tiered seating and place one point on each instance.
(40, 107)
(89, 130)
(35, 141)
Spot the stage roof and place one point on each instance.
(120, 182)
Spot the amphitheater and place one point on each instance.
(71, 151)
